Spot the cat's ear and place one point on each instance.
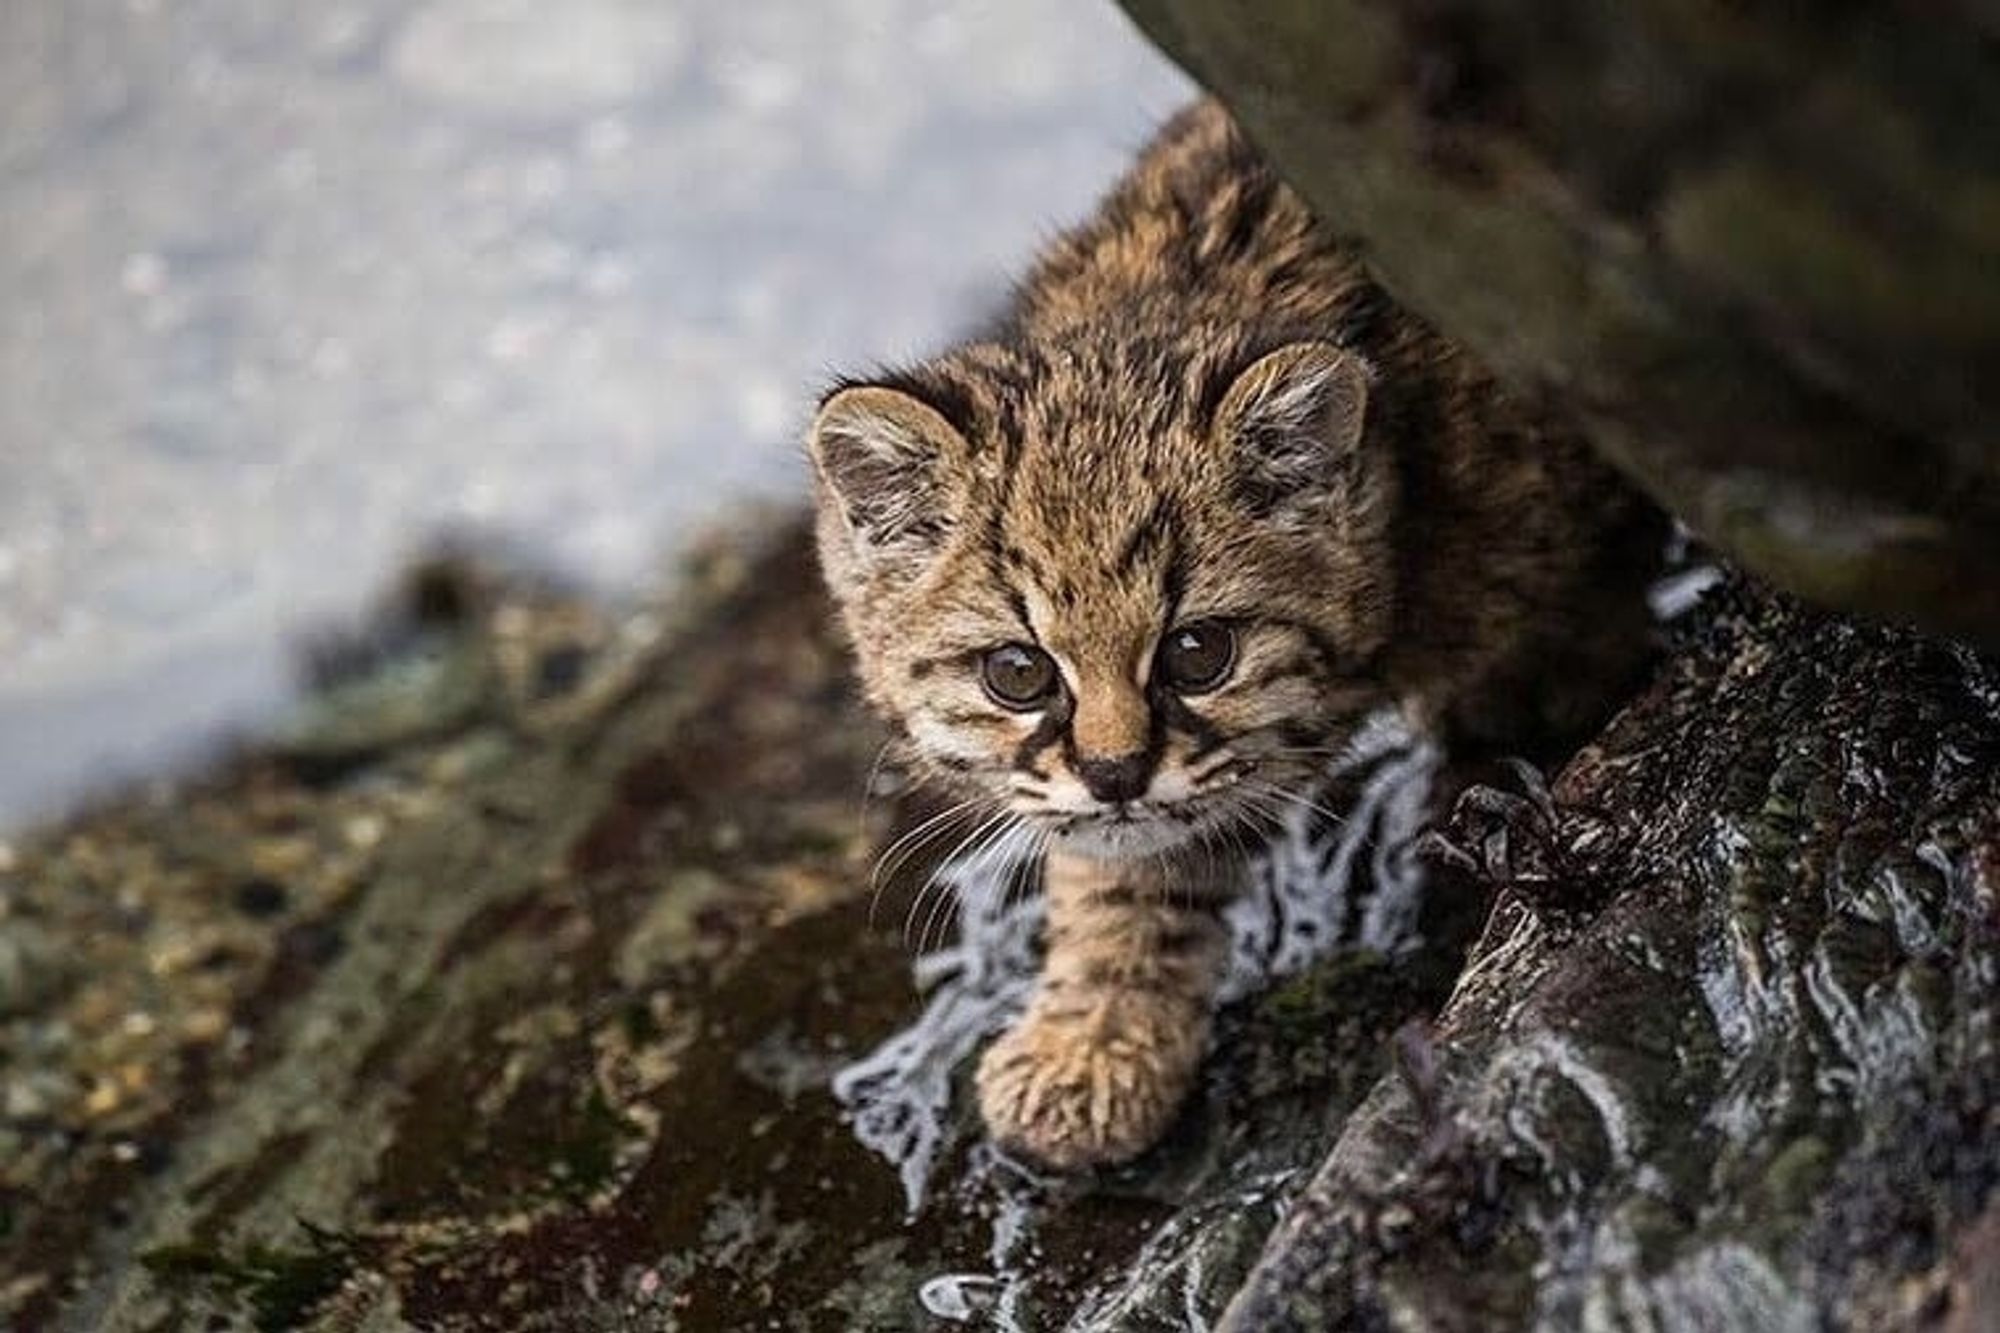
(885, 459)
(1294, 419)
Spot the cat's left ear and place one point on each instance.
(885, 461)
(1294, 419)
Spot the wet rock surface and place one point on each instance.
(1728, 1053)
(506, 991)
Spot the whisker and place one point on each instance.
(1259, 804)
(1204, 842)
(944, 887)
(883, 867)
(1312, 756)
(1022, 863)
(1293, 798)
(1234, 828)
(1016, 865)
(908, 841)
(989, 847)
(922, 901)
(1159, 856)
(1044, 837)
(875, 897)
(910, 844)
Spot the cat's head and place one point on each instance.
(1130, 606)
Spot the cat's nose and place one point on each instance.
(1123, 778)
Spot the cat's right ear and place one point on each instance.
(1294, 418)
(883, 458)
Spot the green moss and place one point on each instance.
(586, 1154)
(877, 1299)
(1792, 1182)
(278, 1287)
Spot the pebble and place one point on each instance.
(959, 1296)
(280, 858)
(36, 1094)
(364, 831)
(104, 1097)
(260, 897)
(205, 1025)
(32, 968)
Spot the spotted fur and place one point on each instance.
(1199, 409)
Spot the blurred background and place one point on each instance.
(288, 291)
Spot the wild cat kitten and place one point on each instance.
(1146, 552)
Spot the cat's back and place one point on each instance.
(1200, 228)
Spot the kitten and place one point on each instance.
(1149, 549)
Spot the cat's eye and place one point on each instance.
(1197, 657)
(1018, 676)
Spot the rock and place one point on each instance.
(1758, 1087)
(1754, 254)
(556, 1055)
(33, 968)
(546, 1050)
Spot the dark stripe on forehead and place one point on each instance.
(1141, 539)
(1007, 426)
(1011, 566)
(1152, 534)
(1019, 604)
(1174, 578)
(994, 541)
(1016, 567)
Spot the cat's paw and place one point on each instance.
(1092, 1084)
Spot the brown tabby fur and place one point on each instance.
(1200, 408)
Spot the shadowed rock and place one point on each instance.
(1754, 251)
(1728, 1054)
(505, 989)
(506, 992)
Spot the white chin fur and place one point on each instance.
(1107, 841)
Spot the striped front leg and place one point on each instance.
(1096, 1069)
